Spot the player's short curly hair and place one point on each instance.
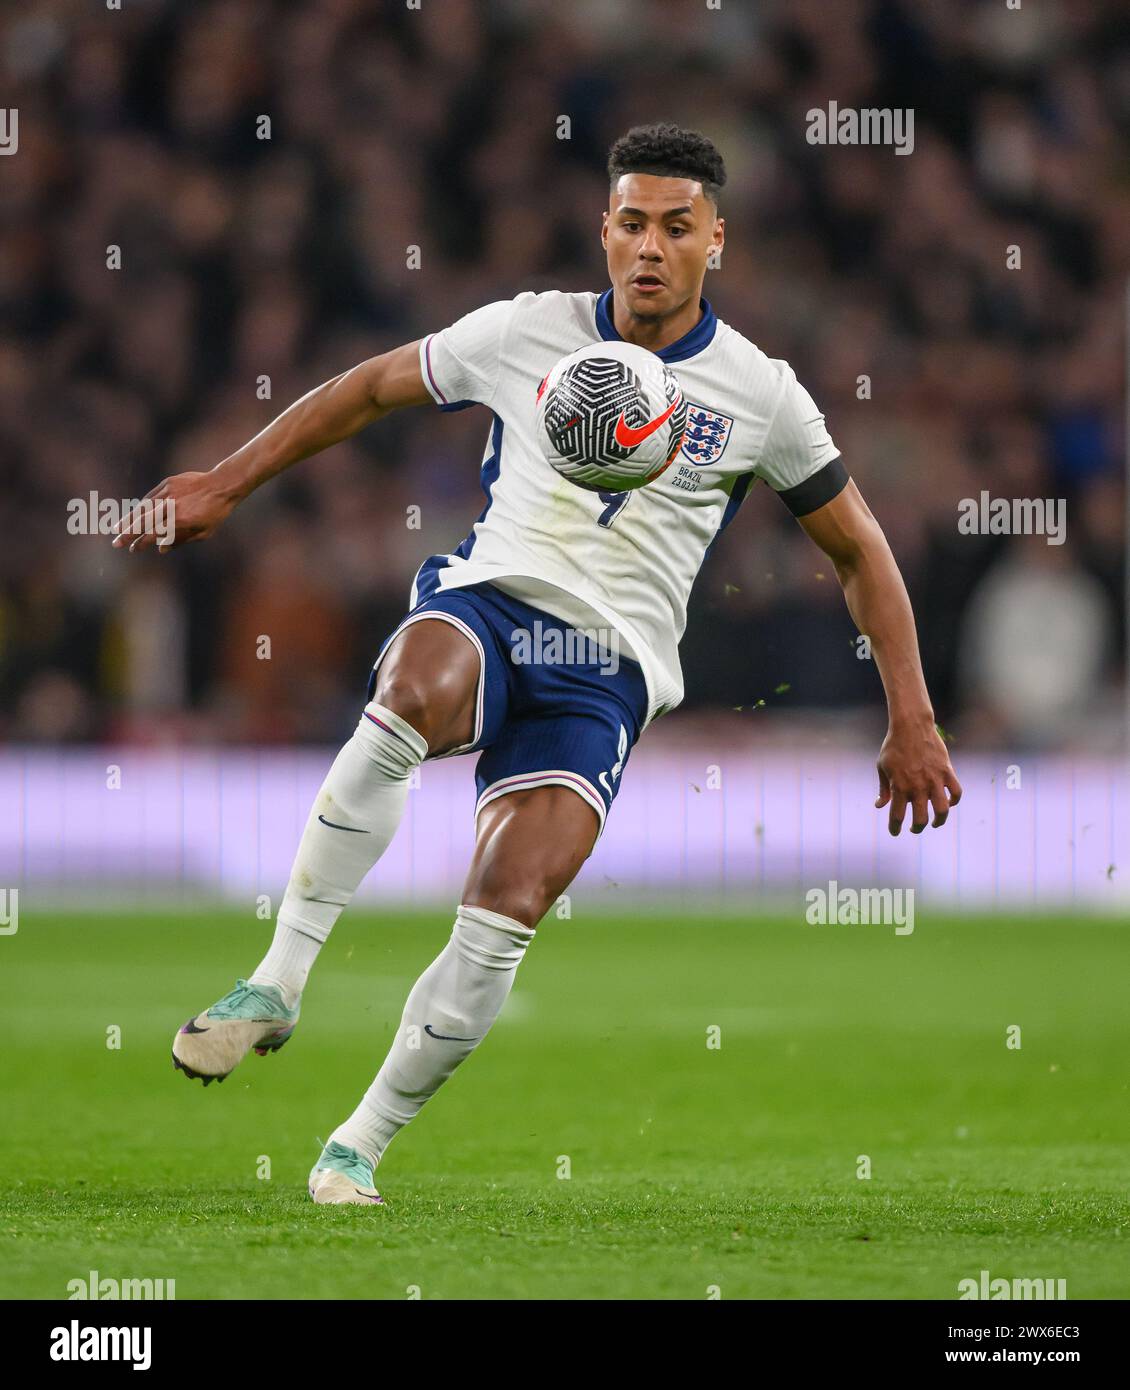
(671, 152)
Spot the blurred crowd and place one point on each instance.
(265, 168)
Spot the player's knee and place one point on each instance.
(435, 705)
(522, 904)
(406, 696)
(524, 894)
(429, 705)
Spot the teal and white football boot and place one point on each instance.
(213, 1043)
(342, 1175)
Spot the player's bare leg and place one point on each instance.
(425, 700)
(529, 846)
(429, 677)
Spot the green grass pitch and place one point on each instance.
(692, 1168)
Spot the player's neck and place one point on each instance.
(655, 334)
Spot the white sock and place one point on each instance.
(457, 998)
(364, 791)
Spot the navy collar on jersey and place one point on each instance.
(686, 346)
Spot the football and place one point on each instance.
(611, 416)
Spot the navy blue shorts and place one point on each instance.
(554, 707)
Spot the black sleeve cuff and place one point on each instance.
(814, 492)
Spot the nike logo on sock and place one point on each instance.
(190, 1027)
(351, 828)
(446, 1037)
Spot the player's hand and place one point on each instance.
(915, 770)
(186, 507)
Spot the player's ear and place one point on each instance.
(719, 238)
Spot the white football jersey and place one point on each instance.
(620, 560)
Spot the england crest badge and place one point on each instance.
(706, 436)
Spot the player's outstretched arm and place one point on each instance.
(914, 767)
(330, 413)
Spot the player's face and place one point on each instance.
(658, 233)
